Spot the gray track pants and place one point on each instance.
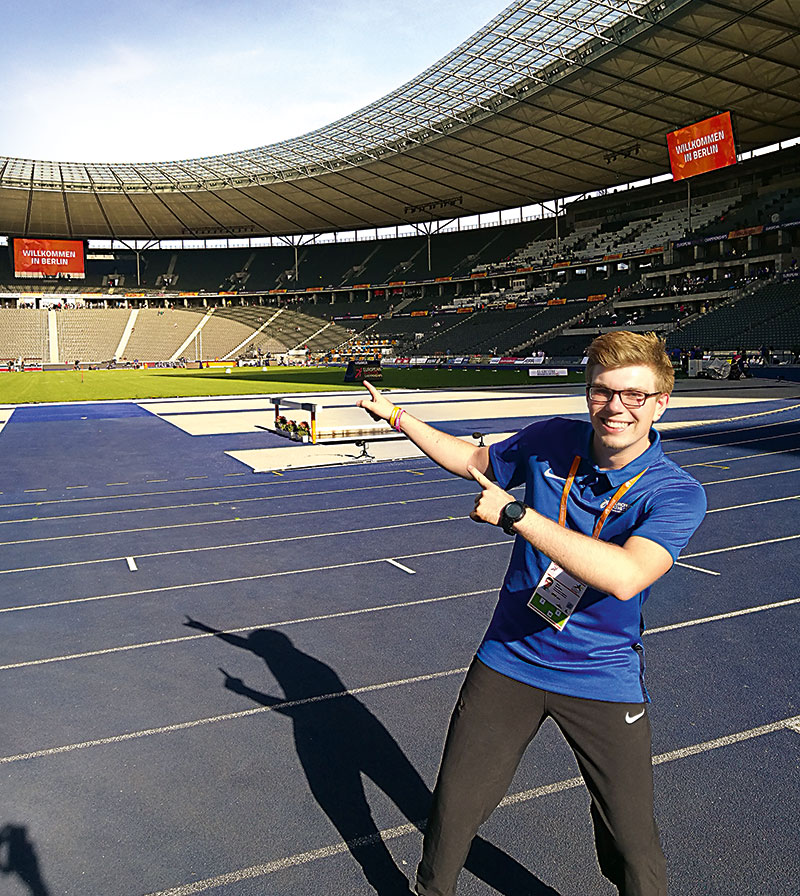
(494, 720)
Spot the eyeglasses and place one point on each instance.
(630, 398)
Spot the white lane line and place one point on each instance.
(411, 572)
(740, 547)
(726, 741)
(232, 546)
(253, 578)
(780, 435)
(206, 488)
(720, 616)
(795, 726)
(248, 628)
(708, 572)
(192, 505)
(224, 522)
(730, 460)
(228, 716)
(746, 478)
(323, 617)
(131, 564)
(513, 799)
(754, 504)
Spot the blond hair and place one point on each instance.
(621, 348)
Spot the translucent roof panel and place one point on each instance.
(516, 46)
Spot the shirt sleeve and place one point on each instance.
(510, 457)
(672, 516)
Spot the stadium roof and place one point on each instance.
(551, 98)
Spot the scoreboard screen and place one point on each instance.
(49, 258)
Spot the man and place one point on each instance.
(605, 514)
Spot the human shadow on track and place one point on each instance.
(18, 858)
(337, 740)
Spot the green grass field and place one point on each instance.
(96, 385)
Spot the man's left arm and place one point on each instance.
(620, 570)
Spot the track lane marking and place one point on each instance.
(257, 577)
(745, 478)
(731, 460)
(739, 441)
(740, 547)
(708, 572)
(271, 483)
(411, 572)
(227, 520)
(228, 716)
(322, 617)
(232, 546)
(284, 497)
(513, 799)
(380, 608)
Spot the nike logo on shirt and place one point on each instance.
(551, 475)
(631, 719)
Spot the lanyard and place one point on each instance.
(562, 511)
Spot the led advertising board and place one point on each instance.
(49, 258)
(701, 147)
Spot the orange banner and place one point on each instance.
(556, 301)
(701, 147)
(48, 258)
(597, 298)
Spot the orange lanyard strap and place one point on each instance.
(562, 511)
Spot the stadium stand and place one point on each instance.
(89, 334)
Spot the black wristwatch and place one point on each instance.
(510, 514)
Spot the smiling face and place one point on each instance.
(621, 434)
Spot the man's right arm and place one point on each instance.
(451, 453)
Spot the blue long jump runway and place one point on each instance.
(236, 683)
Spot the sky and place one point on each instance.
(91, 81)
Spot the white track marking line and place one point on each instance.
(228, 520)
(289, 572)
(229, 716)
(708, 572)
(754, 504)
(264, 483)
(733, 614)
(795, 726)
(283, 497)
(323, 617)
(337, 491)
(239, 544)
(131, 564)
(265, 516)
(746, 478)
(731, 460)
(253, 578)
(726, 741)
(411, 572)
(740, 547)
(739, 441)
(319, 698)
(513, 799)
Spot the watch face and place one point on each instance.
(514, 511)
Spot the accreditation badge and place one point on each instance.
(556, 596)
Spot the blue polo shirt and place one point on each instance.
(599, 654)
